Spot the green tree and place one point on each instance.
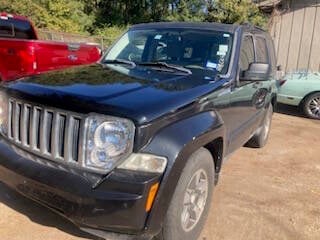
(67, 15)
(63, 15)
(234, 11)
(187, 10)
(112, 16)
(28, 8)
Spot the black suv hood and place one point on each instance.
(141, 94)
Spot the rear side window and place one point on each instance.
(272, 55)
(247, 53)
(16, 28)
(6, 29)
(262, 50)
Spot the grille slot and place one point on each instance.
(75, 138)
(51, 133)
(35, 129)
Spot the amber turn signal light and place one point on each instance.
(151, 196)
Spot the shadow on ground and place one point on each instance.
(39, 214)
(289, 110)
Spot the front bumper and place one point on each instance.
(97, 204)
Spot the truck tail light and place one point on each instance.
(151, 196)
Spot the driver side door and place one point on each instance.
(246, 104)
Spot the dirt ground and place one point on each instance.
(263, 194)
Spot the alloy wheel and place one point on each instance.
(314, 107)
(195, 198)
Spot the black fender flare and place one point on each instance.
(177, 142)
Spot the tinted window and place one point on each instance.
(247, 53)
(6, 29)
(15, 28)
(262, 51)
(273, 60)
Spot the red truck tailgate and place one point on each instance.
(55, 55)
(21, 54)
(20, 58)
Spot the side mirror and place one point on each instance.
(256, 72)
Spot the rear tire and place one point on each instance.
(191, 201)
(260, 139)
(311, 106)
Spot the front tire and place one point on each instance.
(191, 201)
(311, 106)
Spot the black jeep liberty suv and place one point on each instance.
(131, 147)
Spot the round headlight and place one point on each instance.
(100, 159)
(109, 139)
(113, 137)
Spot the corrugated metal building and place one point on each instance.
(295, 28)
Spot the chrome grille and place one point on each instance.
(48, 132)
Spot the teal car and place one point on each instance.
(302, 90)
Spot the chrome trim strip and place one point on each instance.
(43, 131)
(54, 135)
(10, 120)
(68, 139)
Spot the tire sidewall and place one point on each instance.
(268, 118)
(172, 227)
(306, 105)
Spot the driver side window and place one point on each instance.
(246, 54)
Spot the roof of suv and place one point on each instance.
(200, 25)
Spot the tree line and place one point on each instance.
(108, 16)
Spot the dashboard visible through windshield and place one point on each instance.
(187, 48)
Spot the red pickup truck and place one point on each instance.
(22, 54)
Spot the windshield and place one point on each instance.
(188, 48)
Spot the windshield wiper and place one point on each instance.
(165, 65)
(119, 61)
